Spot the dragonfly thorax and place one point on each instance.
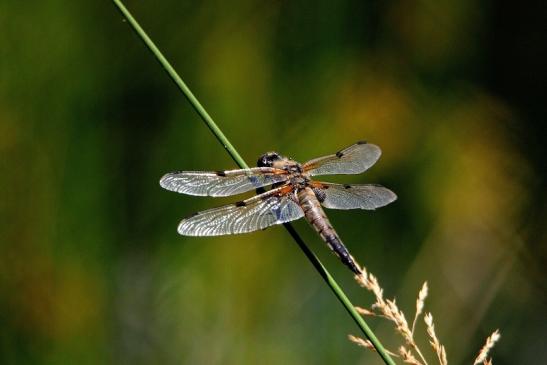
(299, 181)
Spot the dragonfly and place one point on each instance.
(293, 195)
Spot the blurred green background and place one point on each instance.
(92, 270)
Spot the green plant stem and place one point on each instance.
(241, 163)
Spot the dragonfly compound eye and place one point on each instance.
(267, 159)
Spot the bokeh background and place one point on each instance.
(91, 268)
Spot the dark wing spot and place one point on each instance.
(339, 154)
(362, 142)
(220, 173)
(347, 186)
(240, 204)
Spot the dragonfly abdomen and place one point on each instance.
(317, 218)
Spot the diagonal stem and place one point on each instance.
(217, 132)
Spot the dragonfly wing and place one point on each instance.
(366, 196)
(221, 183)
(355, 159)
(273, 207)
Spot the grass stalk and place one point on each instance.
(217, 132)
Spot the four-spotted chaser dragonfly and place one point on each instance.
(293, 195)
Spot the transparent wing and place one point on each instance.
(366, 196)
(221, 183)
(355, 159)
(259, 212)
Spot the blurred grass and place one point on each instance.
(91, 268)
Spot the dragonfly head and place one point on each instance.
(268, 159)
